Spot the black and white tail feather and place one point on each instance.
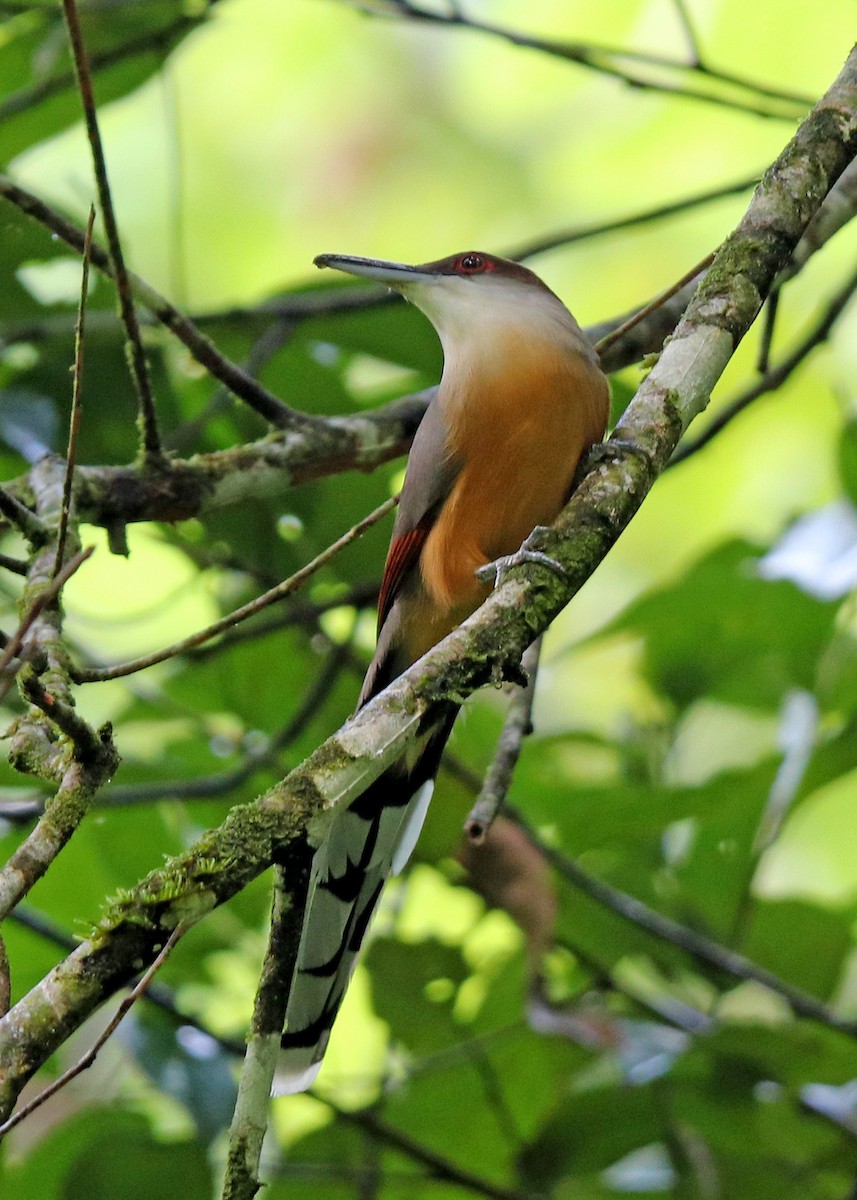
(368, 841)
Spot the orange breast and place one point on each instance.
(519, 431)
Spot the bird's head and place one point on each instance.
(470, 296)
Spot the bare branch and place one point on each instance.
(136, 354)
(637, 68)
(280, 592)
(76, 402)
(88, 1059)
(518, 724)
(489, 645)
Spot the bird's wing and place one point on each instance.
(375, 835)
(431, 472)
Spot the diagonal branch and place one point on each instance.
(272, 596)
(775, 376)
(202, 348)
(637, 68)
(700, 947)
(489, 645)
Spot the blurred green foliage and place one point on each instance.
(670, 756)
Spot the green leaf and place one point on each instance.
(723, 631)
(414, 989)
(780, 932)
(105, 1154)
(625, 1121)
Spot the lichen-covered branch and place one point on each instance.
(50, 740)
(312, 447)
(250, 1120)
(485, 649)
(837, 209)
(498, 778)
(114, 497)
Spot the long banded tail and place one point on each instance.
(368, 841)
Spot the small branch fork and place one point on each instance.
(136, 355)
(489, 645)
(775, 376)
(8, 666)
(90, 1056)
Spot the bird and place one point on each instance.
(521, 399)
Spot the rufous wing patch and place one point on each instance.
(403, 555)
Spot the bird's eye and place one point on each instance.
(472, 264)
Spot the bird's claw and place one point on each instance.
(497, 569)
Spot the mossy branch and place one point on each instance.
(489, 646)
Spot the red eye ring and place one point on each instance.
(473, 264)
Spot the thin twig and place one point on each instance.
(269, 343)
(308, 613)
(582, 233)
(769, 320)
(655, 303)
(44, 598)
(438, 1167)
(776, 376)
(76, 401)
(609, 60)
(97, 674)
(89, 1058)
(136, 354)
(221, 783)
(22, 518)
(202, 348)
(689, 31)
(517, 725)
(5, 980)
(697, 945)
(224, 782)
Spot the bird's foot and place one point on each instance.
(498, 569)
